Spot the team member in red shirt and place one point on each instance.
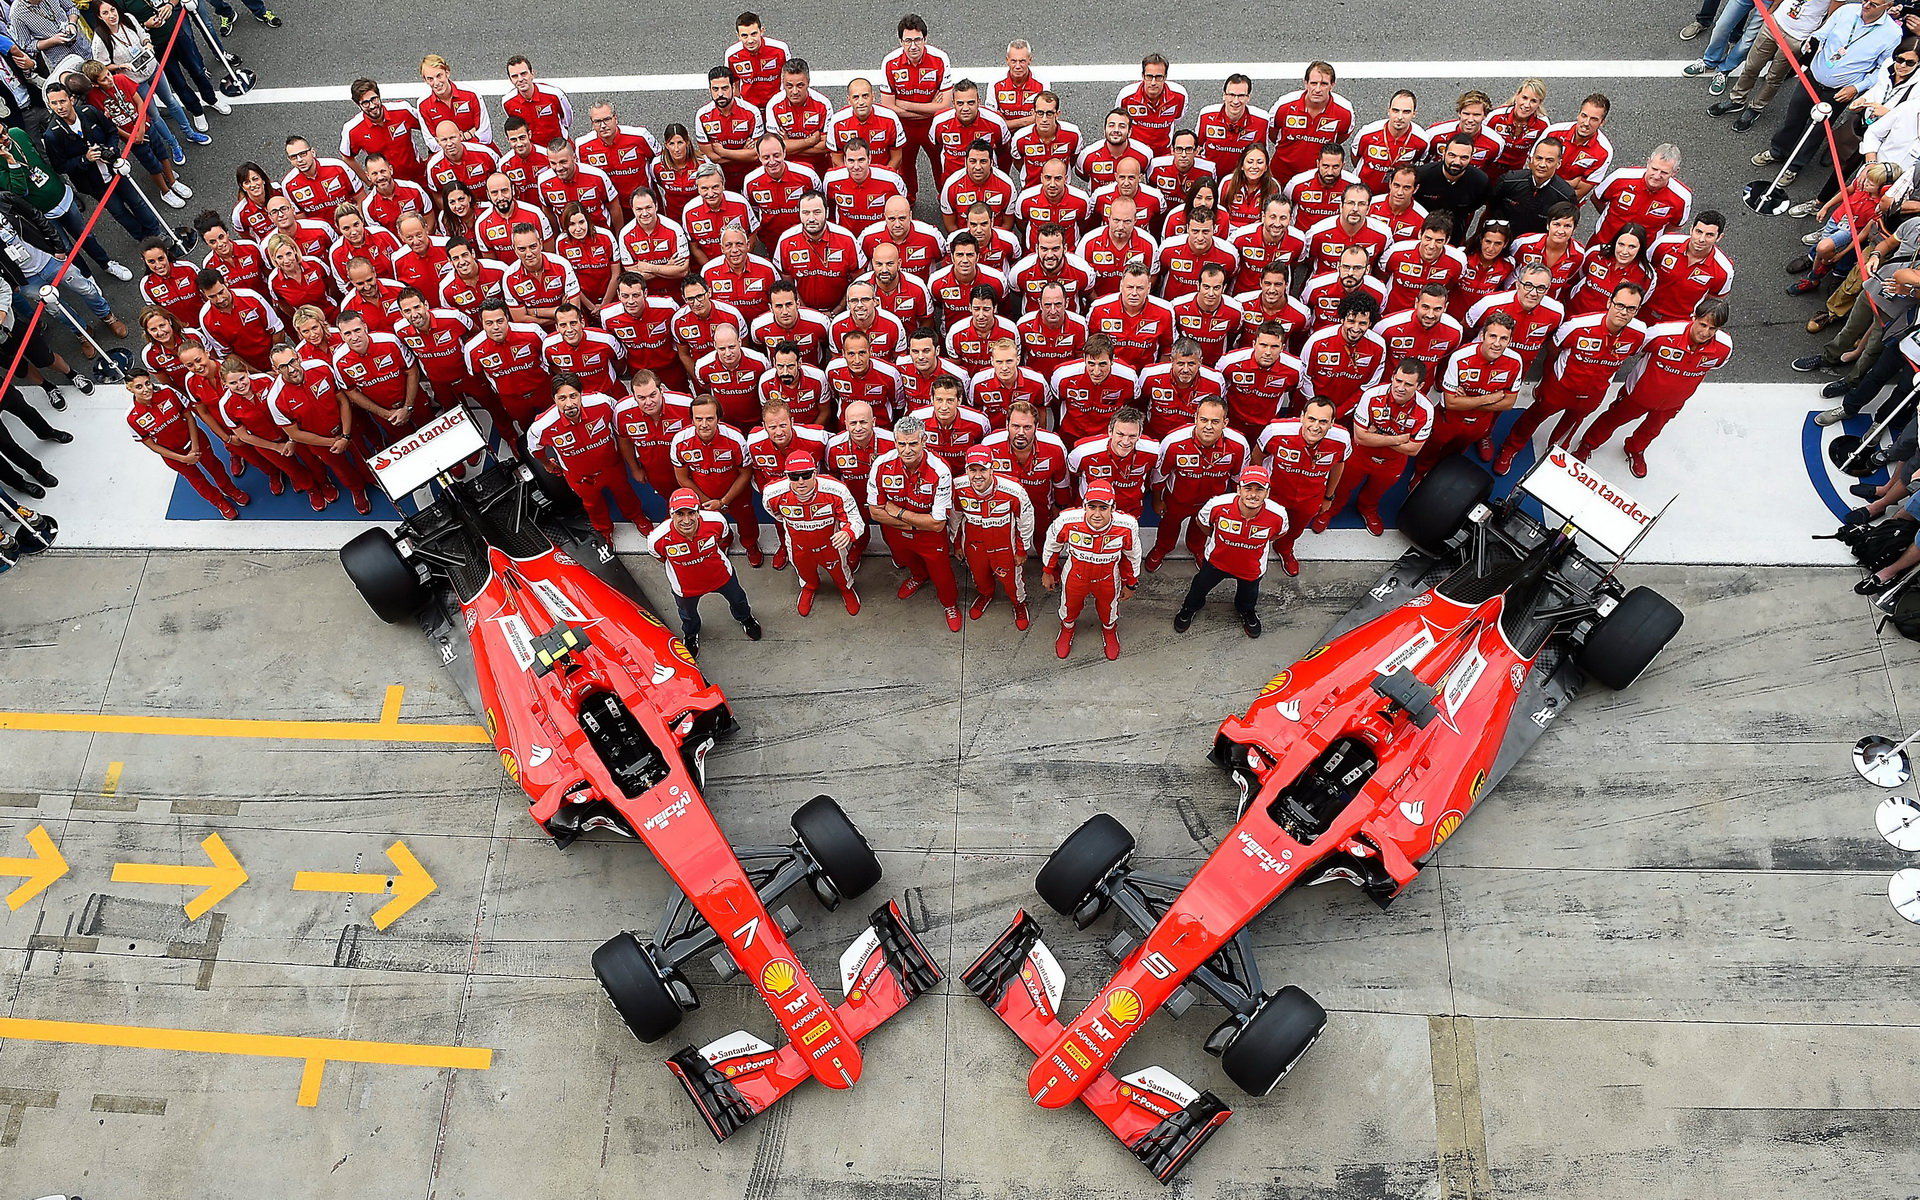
(204, 387)
(1092, 553)
(1343, 361)
(1052, 201)
(624, 153)
(1589, 153)
(240, 261)
(1675, 358)
(1120, 458)
(1470, 116)
(458, 160)
(1324, 292)
(1155, 105)
(1535, 314)
(954, 132)
(1307, 455)
(1048, 139)
(567, 181)
(976, 181)
(1013, 97)
(1098, 162)
(524, 162)
(383, 128)
(381, 379)
(1004, 382)
(916, 83)
(711, 211)
(886, 334)
(851, 454)
(1052, 335)
(769, 445)
(950, 427)
(1181, 169)
(1109, 252)
(1555, 248)
(1383, 146)
(1520, 124)
(726, 130)
(756, 61)
(468, 281)
(1308, 119)
(710, 459)
(1033, 458)
(1273, 242)
(377, 246)
(509, 358)
(296, 280)
(798, 115)
(1412, 266)
(820, 524)
(447, 101)
(1198, 461)
(493, 226)
(909, 495)
(1590, 351)
(1647, 196)
(1208, 317)
(1397, 209)
(1226, 129)
(919, 244)
(738, 278)
(992, 515)
(1390, 426)
(1688, 268)
(315, 412)
(730, 373)
(538, 283)
(1240, 525)
(168, 283)
(316, 185)
(693, 544)
(1092, 390)
(1181, 262)
(238, 321)
(653, 247)
(1171, 392)
(952, 285)
(374, 298)
(774, 188)
(162, 421)
(1262, 382)
(545, 108)
(243, 410)
(1139, 325)
(649, 418)
(882, 132)
(786, 320)
(644, 325)
(437, 338)
(593, 356)
(820, 257)
(859, 190)
(970, 342)
(802, 387)
(590, 251)
(695, 320)
(1271, 304)
(1050, 263)
(1481, 381)
(579, 438)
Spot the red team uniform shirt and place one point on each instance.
(1298, 133)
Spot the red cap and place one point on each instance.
(1257, 474)
(1099, 492)
(684, 498)
(799, 460)
(981, 455)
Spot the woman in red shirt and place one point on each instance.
(296, 279)
(1205, 193)
(1245, 193)
(589, 250)
(1605, 268)
(250, 210)
(673, 170)
(461, 210)
(1487, 271)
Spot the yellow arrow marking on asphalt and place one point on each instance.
(37, 873)
(216, 882)
(314, 1052)
(409, 887)
(248, 727)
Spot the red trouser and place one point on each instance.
(1619, 413)
(1453, 433)
(925, 556)
(1302, 508)
(592, 488)
(1550, 398)
(1371, 478)
(1080, 582)
(748, 521)
(918, 143)
(1170, 522)
(206, 477)
(522, 407)
(991, 564)
(812, 559)
(293, 469)
(346, 467)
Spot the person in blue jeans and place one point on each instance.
(1733, 34)
(37, 269)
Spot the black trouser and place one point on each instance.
(1891, 367)
(1246, 592)
(1798, 116)
(736, 597)
(1707, 9)
(14, 458)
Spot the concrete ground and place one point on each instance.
(1659, 964)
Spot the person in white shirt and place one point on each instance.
(1797, 19)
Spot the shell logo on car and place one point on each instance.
(778, 977)
(1123, 1005)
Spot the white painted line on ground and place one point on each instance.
(587, 86)
(1734, 459)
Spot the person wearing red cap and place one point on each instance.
(909, 493)
(820, 523)
(579, 437)
(993, 516)
(693, 543)
(1240, 526)
(1092, 552)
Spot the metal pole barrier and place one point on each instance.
(110, 368)
(1770, 198)
(240, 80)
(178, 236)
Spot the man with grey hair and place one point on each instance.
(909, 495)
(1649, 196)
(1013, 96)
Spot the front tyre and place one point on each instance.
(1273, 1040)
(849, 866)
(635, 985)
(1071, 880)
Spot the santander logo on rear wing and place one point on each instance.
(440, 444)
(1603, 512)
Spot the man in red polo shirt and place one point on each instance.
(1307, 455)
(1181, 262)
(524, 160)
(965, 122)
(420, 259)
(1090, 391)
(1688, 268)
(437, 338)
(1171, 392)
(1241, 525)
(1343, 361)
(1155, 105)
(238, 320)
(1308, 119)
(1139, 324)
(993, 517)
(860, 191)
(566, 181)
(799, 116)
(1052, 202)
(383, 128)
(774, 188)
(916, 83)
(1426, 332)
(653, 247)
(1672, 363)
(509, 358)
(1589, 153)
(909, 494)
(693, 544)
(756, 61)
(787, 320)
(458, 160)
(1120, 458)
(1198, 461)
(1208, 318)
(389, 200)
(1262, 382)
(317, 185)
(710, 460)
(1226, 129)
(591, 355)
(739, 278)
(644, 325)
(731, 373)
(1034, 458)
(649, 417)
(976, 181)
(1052, 335)
(1649, 196)
(1535, 314)
(161, 419)
(1047, 139)
(468, 281)
(374, 298)
(820, 257)
(710, 212)
(1092, 553)
(381, 379)
(1481, 381)
(545, 108)
(1352, 226)
(859, 376)
(725, 129)
(447, 101)
(1110, 251)
(1380, 148)
(879, 128)
(579, 439)
(950, 427)
(320, 420)
(538, 283)
(1412, 266)
(622, 152)
(1014, 96)
(1390, 425)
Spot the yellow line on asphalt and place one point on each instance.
(315, 1053)
(246, 727)
(112, 783)
(390, 707)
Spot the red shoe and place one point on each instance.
(911, 586)
(1153, 562)
(1113, 643)
(754, 557)
(238, 498)
(780, 558)
(1636, 464)
(1020, 619)
(1375, 525)
(318, 501)
(645, 527)
(1321, 522)
(330, 492)
(978, 608)
(227, 511)
(277, 485)
(236, 467)
(1584, 451)
(852, 599)
(1508, 453)
(1291, 563)
(953, 619)
(362, 504)
(1485, 448)
(806, 601)
(1063, 645)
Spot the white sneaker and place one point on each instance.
(1832, 416)
(118, 271)
(172, 201)
(181, 189)
(198, 121)
(222, 107)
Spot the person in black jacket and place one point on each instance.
(1522, 198)
(84, 146)
(1453, 185)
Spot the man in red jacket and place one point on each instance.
(1092, 553)
(693, 544)
(579, 438)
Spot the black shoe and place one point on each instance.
(226, 26)
(753, 629)
(1182, 621)
(268, 19)
(1836, 389)
(692, 643)
(55, 397)
(1721, 108)
(58, 437)
(1251, 623)
(46, 480)
(1858, 516)
(1800, 265)
(1872, 585)
(1866, 491)
(1746, 120)
(1880, 457)
(32, 489)
(1811, 362)
(83, 382)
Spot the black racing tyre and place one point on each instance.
(1437, 509)
(1628, 639)
(387, 582)
(1073, 873)
(1269, 1045)
(833, 840)
(635, 986)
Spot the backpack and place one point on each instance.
(1876, 546)
(1904, 613)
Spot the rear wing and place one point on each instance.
(438, 446)
(1567, 486)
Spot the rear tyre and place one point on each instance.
(1070, 881)
(1273, 1041)
(850, 866)
(387, 581)
(635, 985)
(1628, 639)
(1437, 509)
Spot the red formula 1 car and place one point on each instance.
(1354, 764)
(602, 716)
